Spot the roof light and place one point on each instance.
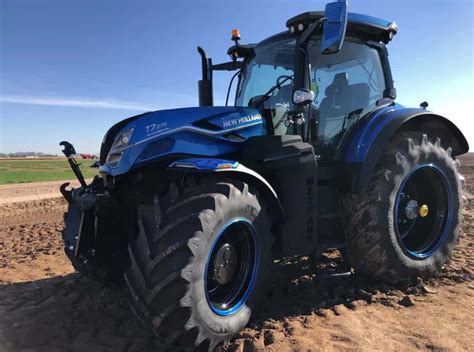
(235, 34)
(393, 27)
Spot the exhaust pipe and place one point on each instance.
(205, 84)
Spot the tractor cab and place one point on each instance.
(336, 62)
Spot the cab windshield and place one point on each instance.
(272, 67)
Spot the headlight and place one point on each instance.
(122, 140)
(113, 159)
(116, 152)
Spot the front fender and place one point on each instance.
(367, 145)
(236, 170)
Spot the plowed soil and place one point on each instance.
(45, 306)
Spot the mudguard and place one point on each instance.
(365, 147)
(233, 168)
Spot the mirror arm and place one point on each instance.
(301, 52)
(310, 31)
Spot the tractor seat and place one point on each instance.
(342, 98)
(337, 97)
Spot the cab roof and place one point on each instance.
(359, 26)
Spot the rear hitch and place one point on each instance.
(69, 152)
(67, 194)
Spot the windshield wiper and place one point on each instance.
(272, 89)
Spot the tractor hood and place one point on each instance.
(200, 131)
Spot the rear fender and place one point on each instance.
(368, 144)
(235, 170)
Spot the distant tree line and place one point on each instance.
(26, 154)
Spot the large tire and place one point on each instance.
(168, 263)
(379, 227)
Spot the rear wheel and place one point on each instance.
(408, 221)
(197, 267)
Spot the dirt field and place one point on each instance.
(26, 192)
(44, 306)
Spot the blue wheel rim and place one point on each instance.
(420, 237)
(227, 298)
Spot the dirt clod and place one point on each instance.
(428, 289)
(406, 301)
(362, 294)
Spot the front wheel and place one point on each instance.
(408, 221)
(197, 268)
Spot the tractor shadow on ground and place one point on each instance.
(302, 286)
(69, 313)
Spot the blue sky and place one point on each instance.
(70, 69)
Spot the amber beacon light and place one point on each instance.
(235, 34)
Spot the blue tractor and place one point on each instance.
(193, 205)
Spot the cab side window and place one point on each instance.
(344, 83)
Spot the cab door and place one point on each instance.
(347, 85)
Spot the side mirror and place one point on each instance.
(303, 96)
(334, 28)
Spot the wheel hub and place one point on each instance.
(422, 211)
(232, 266)
(225, 264)
(411, 209)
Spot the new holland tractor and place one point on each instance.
(192, 205)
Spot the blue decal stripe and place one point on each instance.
(204, 164)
